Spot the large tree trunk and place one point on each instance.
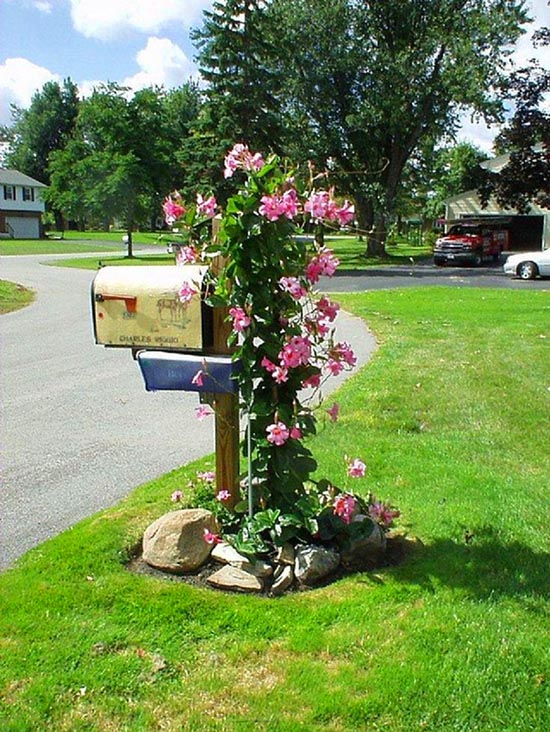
(371, 225)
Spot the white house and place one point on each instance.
(21, 205)
(528, 231)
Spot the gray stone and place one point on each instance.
(175, 542)
(313, 563)
(233, 578)
(365, 552)
(284, 577)
(286, 555)
(226, 554)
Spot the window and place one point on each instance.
(28, 193)
(9, 193)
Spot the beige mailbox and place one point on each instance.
(143, 308)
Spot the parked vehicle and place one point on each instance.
(528, 265)
(469, 244)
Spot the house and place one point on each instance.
(21, 205)
(524, 232)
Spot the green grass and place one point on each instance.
(95, 262)
(14, 296)
(14, 247)
(452, 418)
(351, 253)
(138, 237)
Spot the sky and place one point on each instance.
(137, 43)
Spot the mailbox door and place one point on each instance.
(141, 307)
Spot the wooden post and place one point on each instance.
(226, 406)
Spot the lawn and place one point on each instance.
(13, 296)
(452, 418)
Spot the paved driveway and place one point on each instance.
(78, 430)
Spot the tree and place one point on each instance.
(526, 137)
(241, 97)
(43, 128)
(368, 82)
(118, 162)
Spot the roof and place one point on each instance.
(15, 178)
(496, 164)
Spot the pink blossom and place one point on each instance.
(268, 365)
(176, 496)
(172, 209)
(356, 469)
(323, 263)
(296, 352)
(317, 204)
(278, 433)
(333, 412)
(344, 506)
(241, 157)
(186, 255)
(202, 411)
(271, 207)
(334, 367)
(197, 378)
(280, 374)
(223, 495)
(289, 203)
(383, 514)
(210, 538)
(206, 206)
(293, 286)
(327, 309)
(241, 320)
(345, 214)
(186, 292)
(208, 476)
(314, 381)
(295, 433)
(344, 352)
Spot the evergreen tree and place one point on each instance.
(241, 98)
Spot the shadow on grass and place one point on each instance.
(483, 564)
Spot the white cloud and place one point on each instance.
(43, 6)
(161, 63)
(107, 19)
(19, 80)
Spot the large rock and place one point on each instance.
(282, 580)
(365, 552)
(314, 563)
(235, 579)
(226, 554)
(175, 542)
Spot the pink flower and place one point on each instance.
(206, 206)
(356, 469)
(296, 352)
(344, 352)
(271, 207)
(280, 374)
(323, 263)
(267, 364)
(208, 476)
(186, 292)
(383, 514)
(333, 412)
(186, 255)
(289, 203)
(293, 286)
(295, 433)
(223, 495)
(202, 411)
(210, 538)
(197, 378)
(241, 320)
(344, 506)
(241, 157)
(314, 381)
(328, 310)
(345, 214)
(317, 205)
(334, 367)
(278, 433)
(176, 496)
(172, 209)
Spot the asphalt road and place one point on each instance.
(78, 430)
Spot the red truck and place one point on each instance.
(470, 243)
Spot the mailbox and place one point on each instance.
(188, 372)
(141, 308)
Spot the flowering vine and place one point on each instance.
(282, 330)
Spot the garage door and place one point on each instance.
(24, 227)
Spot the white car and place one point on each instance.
(528, 265)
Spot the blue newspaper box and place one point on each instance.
(164, 371)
